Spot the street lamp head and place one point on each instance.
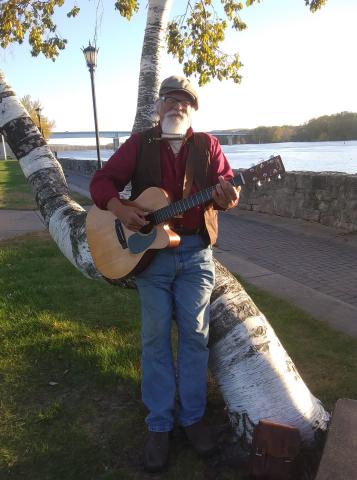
(90, 54)
(38, 110)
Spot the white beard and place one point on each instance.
(175, 124)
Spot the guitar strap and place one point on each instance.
(147, 171)
(188, 179)
(198, 170)
(197, 164)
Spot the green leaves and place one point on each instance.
(231, 9)
(127, 8)
(35, 19)
(74, 12)
(194, 38)
(195, 41)
(249, 3)
(315, 4)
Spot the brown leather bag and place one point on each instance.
(274, 449)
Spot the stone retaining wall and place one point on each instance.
(326, 197)
(85, 167)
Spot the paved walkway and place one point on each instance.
(19, 222)
(313, 266)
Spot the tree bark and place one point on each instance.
(256, 376)
(153, 47)
(64, 218)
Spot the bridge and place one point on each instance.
(228, 137)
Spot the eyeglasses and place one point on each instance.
(173, 101)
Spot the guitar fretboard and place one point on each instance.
(182, 206)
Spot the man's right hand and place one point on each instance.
(132, 217)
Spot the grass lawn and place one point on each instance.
(70, 404)
(16, 193)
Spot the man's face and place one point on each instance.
(175, 112)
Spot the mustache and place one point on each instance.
(174, 113)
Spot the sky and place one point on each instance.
(297, 66)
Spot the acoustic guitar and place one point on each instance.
(118, 252)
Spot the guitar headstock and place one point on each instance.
(264, 171)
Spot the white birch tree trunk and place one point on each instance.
(257, 378)
(153, 47)
(64, 218)
(255, 374)
(253, 370)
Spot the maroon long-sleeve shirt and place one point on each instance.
(119, 169)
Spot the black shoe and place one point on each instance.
(156, 451)
(201, 439)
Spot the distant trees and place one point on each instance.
(33, 108)
(340, 126)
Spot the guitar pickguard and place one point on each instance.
(139, 242)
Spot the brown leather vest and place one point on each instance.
(148, 171)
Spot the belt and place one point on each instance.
(187, 231)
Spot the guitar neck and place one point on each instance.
(182, 206)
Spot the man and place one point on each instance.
(179, 280)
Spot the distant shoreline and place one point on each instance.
(65, 147)
(297, 156)
(109, 146)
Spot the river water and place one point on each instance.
(298, 156)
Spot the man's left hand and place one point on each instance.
(225, 194)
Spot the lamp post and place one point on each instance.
(4, 146)
(90, 54)
(38, 111)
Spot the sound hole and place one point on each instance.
(146, 229)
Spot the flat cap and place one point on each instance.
(179, 84)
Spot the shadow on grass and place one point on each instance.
(70, 376)
(70, 367)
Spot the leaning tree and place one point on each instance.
(255, 374)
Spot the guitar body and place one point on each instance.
(115, 253)
(118, 252)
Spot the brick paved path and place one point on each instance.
(322, 264)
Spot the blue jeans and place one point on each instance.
(178, 280)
